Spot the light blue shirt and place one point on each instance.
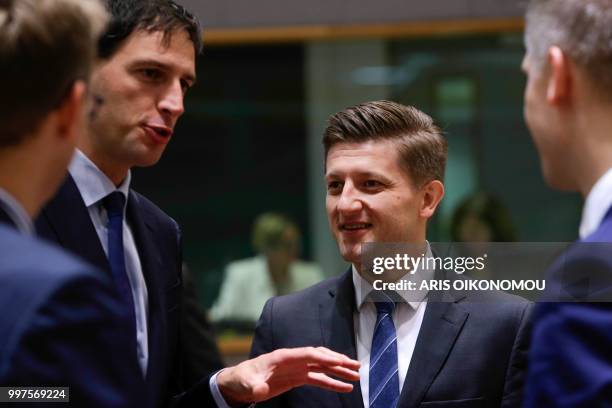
(216, 393)
(94, 186)
(16, 213)
(596, 205)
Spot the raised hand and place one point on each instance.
(271, 374)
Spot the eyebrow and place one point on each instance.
(364, 174)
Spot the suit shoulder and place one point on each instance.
(494, 303)
(32, 273)
(33, 258)
(32, 270)
(498, 296)
(504, 309)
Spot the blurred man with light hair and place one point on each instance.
(59, 314)
(568, 108)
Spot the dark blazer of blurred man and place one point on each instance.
(60, 316)
(568, 105)
(146, 65)
(384, 166)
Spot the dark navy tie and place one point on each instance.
(114, 204)
(384, 380)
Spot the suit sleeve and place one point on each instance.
(198, 357)
(570, 360)
(200, 353)
(517, 366)
(80, 338)
(570, 363)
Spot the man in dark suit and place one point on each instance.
(568, 100)
(60, 316)
(147, 64)
(384, 169)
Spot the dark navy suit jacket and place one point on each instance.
(66, 221)
(570, 363)
(62, 325)
(468, 354)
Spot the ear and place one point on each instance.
(560, 79)
(68, 114)
(432, 195)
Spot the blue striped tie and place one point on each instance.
(114, 204)
(384, 380)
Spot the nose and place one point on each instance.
(349, 201)
(171, 102)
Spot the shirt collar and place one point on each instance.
(596, 205)
(92, 183)
(363, 287)
(16, 212)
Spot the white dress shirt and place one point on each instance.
(407, 318)
(94, 186)
(597, 204)
(16, 213)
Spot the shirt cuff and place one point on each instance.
(216, 393)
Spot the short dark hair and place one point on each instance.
(581, 28)
(487, 209)
(45, 46)
(128, 16)
(422, 148)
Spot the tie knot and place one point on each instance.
(114, 203)
(385, 307)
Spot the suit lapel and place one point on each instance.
(69, 219)
(336, 314)
(441, 325)
(144, 233)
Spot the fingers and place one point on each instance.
(319, 355)
(323, 381)
(344, 360)
(343, 373)
(281, 370)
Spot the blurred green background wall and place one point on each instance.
(249, 141)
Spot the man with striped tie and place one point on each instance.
(384, 173)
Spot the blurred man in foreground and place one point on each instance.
(568, 108)
(60, 316)
(146, 65)
(384, 169)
